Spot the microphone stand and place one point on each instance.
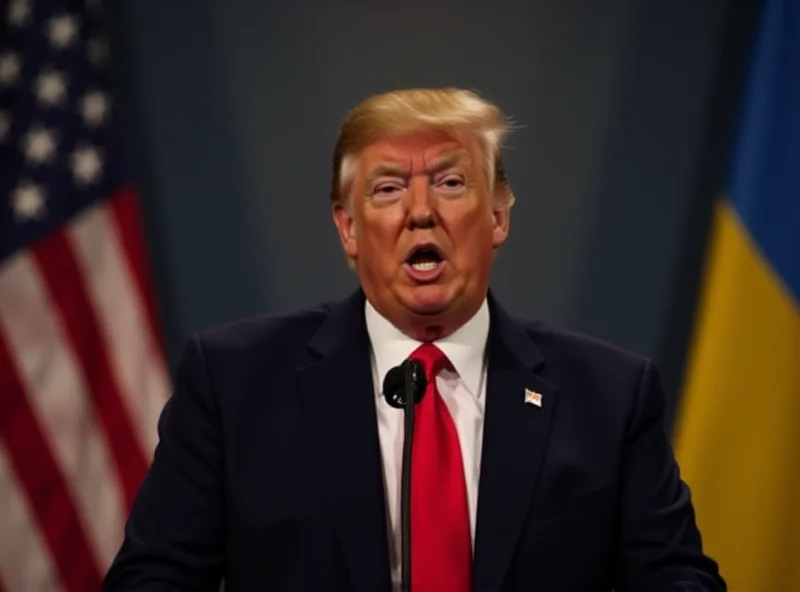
(405, 487)
(403, 386)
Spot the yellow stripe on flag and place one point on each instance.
(738, 426)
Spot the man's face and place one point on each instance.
(422, 228)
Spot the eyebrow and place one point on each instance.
(440, 164)
(386, 170)
(449, 160)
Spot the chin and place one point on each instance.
(430, 311)
(430, 300)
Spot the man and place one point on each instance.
(540, 459)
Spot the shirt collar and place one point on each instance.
(464, 348)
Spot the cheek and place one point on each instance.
(472, 238)
(472, 225)
(382, 229)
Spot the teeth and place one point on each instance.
(425, 266)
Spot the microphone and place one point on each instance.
(403, 386)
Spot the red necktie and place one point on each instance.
(441, 546)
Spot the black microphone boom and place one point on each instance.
(404, 386)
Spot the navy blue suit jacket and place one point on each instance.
(268, 471)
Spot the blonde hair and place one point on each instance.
(413, 110)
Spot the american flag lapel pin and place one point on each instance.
(533, 398)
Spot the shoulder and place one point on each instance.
(559, 344)
(257, 332)
(585, 364)
(243, 349)
(604, 390)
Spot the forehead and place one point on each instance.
(418, 149)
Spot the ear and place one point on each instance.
(346, 225)
(501, 215)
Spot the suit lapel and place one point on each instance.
(514, 442)
(339, 405)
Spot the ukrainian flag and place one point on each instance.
(738, 426)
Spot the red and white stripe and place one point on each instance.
(83, 381)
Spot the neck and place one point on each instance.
(430, 328)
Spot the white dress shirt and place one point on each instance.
(463, 391)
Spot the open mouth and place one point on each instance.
(425, 258)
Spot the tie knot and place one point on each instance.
(432, 358)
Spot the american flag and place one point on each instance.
(82, 374)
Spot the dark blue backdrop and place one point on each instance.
(624, 107)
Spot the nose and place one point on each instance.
(421, 213)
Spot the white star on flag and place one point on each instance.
(62, 31)
(28, 201)
(18, 12)
(50, 88)
(5, 125)
(39, 146)
(94, 106)
(86, 165)
(9, 69)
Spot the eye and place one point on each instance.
(388, 191)
(451, 185)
